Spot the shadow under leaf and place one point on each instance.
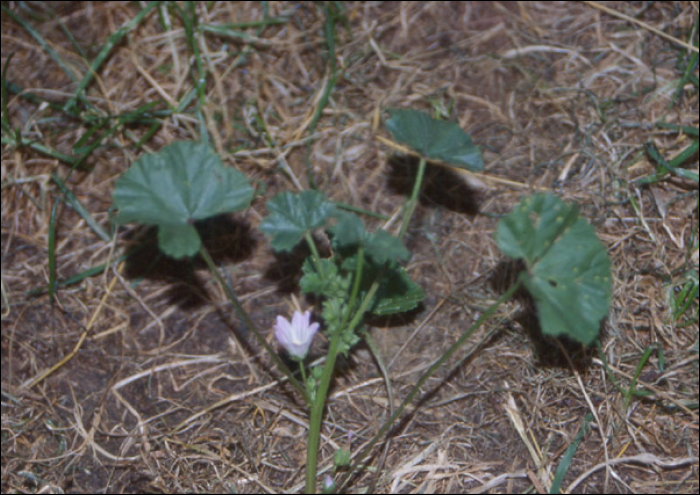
(227, 239)
(441, 186)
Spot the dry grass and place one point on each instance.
(157, 395)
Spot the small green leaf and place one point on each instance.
(349, 234)
(568, 267)
(341, 458)
(182, 183)
(331, 285)
(293, 215)
(383, 247)
(434, 139)
(178, 241)
(397, 293)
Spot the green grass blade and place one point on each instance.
(687, 295)
(568, 456)
(685, 155)
(645, 357)
(3, 104)
(95, 270)
(361, 211)
(40, 39)
(115, 38)
(85, 151)
(691, 131)
(45, 150)
(611, 377)
(329, 34)
(690, 66)
(80, 209)
(148, 135)
(189, 20)
(665, 167)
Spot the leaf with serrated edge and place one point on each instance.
(381, 246)
(292, 215)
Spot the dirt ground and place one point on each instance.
(138, 377)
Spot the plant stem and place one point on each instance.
(317, 414)
(314, 254)
(302, 368)
(322, 391)
(249, 323)
(453, 348)
(414, 198)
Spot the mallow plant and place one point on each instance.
(566, 268)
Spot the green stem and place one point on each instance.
(414, 198)
(317, 414)
(453, 348)
(302, 368)
(314, 254)
(322, 391)
(249, 323)
(356, 283)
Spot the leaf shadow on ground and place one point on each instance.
(228, 239)
(441, 186)
(285, 270)
(403, 319)
(547, 352)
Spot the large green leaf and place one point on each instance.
(182, 183)
(434, 139)
(292, 215)
(568, 268)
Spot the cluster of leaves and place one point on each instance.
(186, 182)
(567, 267)
(360, 259)
(568, 270)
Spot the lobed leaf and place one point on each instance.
(293, 215)
(182, 183)
(568, 270)
(349, 234)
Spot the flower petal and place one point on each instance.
(296, 336)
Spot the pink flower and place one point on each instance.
(296, 336)
(328, 484)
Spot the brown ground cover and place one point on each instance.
(130, 379)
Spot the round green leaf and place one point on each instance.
(434, 139)
(292, 215)
(568, 271)
(183, 182)
(178, 241)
